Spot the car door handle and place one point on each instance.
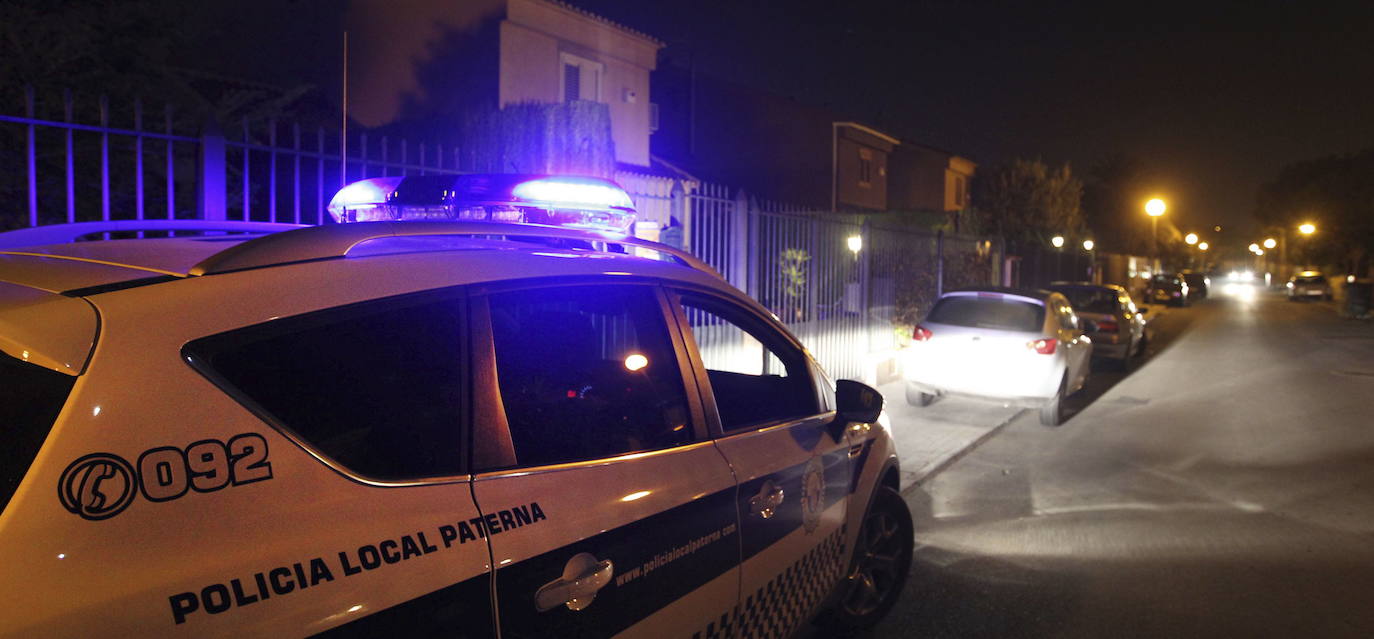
(582, 577)
(765, 503)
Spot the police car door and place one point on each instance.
(606, 507)
(764, 406)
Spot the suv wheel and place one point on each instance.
(882, 560)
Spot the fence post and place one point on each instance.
(739, 242)
(939, 263)
(677, 210)
(210, 191)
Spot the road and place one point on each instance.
(1224, 487)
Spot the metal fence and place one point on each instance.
(849, 289)
(846, 288)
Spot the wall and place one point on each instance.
(852, 191)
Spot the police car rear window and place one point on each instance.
(30, 399)
(376, 388)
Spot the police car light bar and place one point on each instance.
(567, 201)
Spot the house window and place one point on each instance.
(581, 78)
(865, 167)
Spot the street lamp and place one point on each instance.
(1307, 228)
(1057, 241)
(1191, 239)
(1088, 245)
(1154, 208)
(1254, 248)
(1270, 243)
(1202, 246)
(855, 243)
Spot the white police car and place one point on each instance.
(479, 427)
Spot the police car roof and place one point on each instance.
(89, 267)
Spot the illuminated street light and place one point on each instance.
(1190, 238)
(1259, 252)
(1270, 243)
(1307, 228)
(1254, 248)
(1088, 245)
(1202, 246)
(1154, 208)
(1057, 241)
(855, 243)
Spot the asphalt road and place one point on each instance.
(1224, 487)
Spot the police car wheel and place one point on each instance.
(882, 560)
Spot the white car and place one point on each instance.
(480, 428)
(1014, 346)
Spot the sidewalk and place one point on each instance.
(931, 438)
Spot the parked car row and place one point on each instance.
(1021, 347)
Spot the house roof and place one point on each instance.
(610, 23)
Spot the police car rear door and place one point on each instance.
(607, 508)
(772, 424)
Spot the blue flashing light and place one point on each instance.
(568, 201)
(573, 192)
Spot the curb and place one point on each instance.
(973, 445)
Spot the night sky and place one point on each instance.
(1212, 99)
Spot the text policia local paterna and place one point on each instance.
(284, 580)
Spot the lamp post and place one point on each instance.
(1092, 261)
(1307, 229)
(1058, 242)
(1155, 208)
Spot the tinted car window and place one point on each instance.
(757, 377)
(1090, 300)
(587, 372)
(988, 312)
(378, 389)
(1313, 279)
(30, 399)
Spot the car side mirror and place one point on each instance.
(854, 402)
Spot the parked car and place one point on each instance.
(1121, 329)
(1307, 285)
(397, 428)
(1199, 284)
(1023, 347)
(1168, 288)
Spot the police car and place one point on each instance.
(476, 407)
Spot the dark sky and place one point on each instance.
(1213, 99)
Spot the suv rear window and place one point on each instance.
(30, 399)
(988, 312)
(377, 387)
(1312, 279)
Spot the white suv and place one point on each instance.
(468, 428)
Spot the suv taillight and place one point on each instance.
(921, 334)
(1107, 326)
(1043, 346)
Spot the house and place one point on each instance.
(928, 179)
(772, 146)
(553, 52)
(778, 148)
(456, 59)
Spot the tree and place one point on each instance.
(1027, 201)
(1112, 205)
(1337, 194)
